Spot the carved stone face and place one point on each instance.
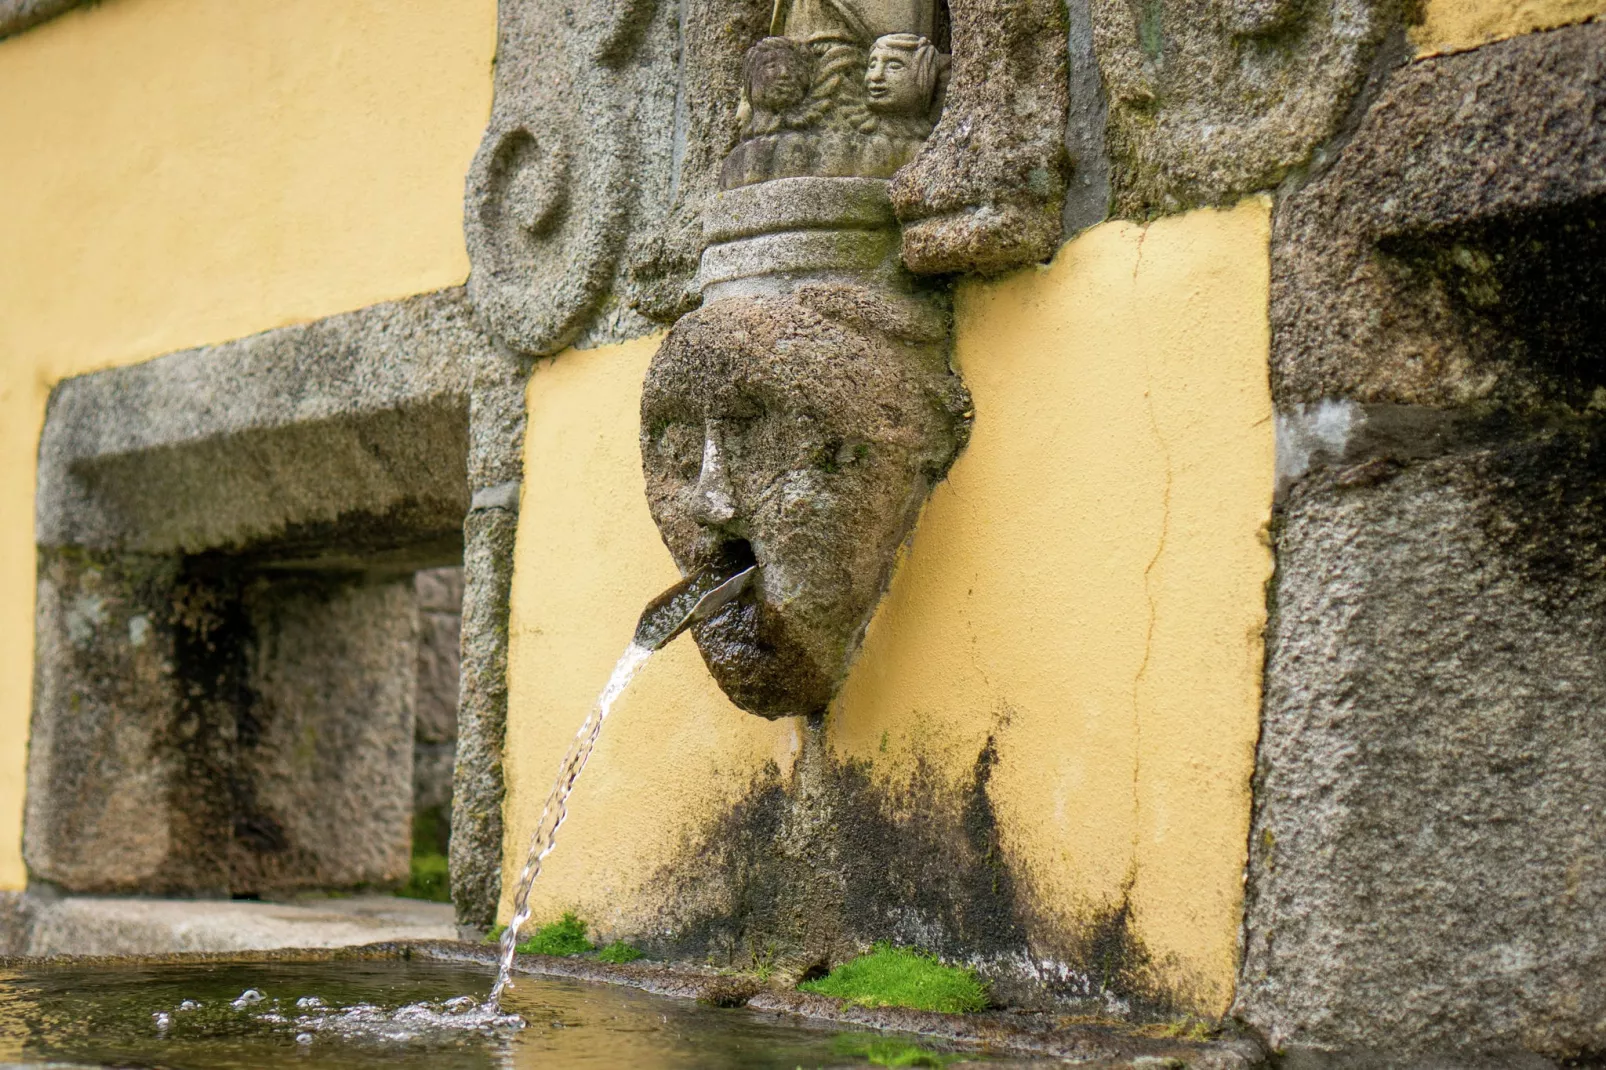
(801, 432)
(901, 75)
(779, 72)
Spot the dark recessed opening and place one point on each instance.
(1527, 287)
(735, 556)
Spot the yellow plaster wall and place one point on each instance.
(178, 172)
(1456, 25)
(1087, 587)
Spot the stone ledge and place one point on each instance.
(81, 925)
(1110, 1045)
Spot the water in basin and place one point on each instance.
(344, 1015)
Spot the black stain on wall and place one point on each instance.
(806, 872)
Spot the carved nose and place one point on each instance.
(712, 502)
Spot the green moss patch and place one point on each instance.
(618, 953)
(566, 936)
(427, 876)
(903, 977)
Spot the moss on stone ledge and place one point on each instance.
(903, 977)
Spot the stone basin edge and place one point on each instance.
(1111, 1046)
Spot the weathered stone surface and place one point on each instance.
(1427, 876)
(349, 433)
(986, 192)
(19, 15)
(477, 781)
(1087, 196)
(129, 770)
(81, 925)
(607, 130)
(1426, 879)
(798, 204)
(440, 604)
(803, 432)
(324, 768)
(433, 764)
(660, 281)
(225, 678)
(1454, 253)
(496, 466)
(1213, 99)
(440, 590)
(580, 126)
(202, 730)
(611, 128)
(16, 922)
(817, 252)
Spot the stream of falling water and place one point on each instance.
(556, 809)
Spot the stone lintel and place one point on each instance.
(349, 430)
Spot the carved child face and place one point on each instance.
(901, 75)
(779, 72)
(793, 432)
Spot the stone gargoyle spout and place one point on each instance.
(799, 419)
(801, 433)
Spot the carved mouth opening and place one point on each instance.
(733, 556)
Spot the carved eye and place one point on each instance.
(680, 446)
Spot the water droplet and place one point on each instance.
(309, 1003)
(303, 1038)
(246, 998)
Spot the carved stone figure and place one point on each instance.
(801, 417)
(985, 192)
(779, 72)
(803, 432)
(902, 75)
(834, 96)
(903, 87)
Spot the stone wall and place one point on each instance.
(228, 668)
(1426, 876)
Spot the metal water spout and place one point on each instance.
(693, 599)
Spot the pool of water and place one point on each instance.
(395, 1015)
